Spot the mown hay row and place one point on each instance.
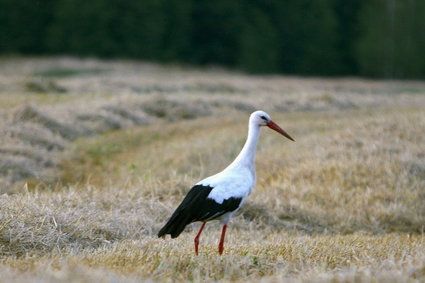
(38, 128)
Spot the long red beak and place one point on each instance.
(274, 126)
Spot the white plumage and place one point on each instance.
(237, 183)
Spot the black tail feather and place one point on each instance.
(196, 206)
(178, 221)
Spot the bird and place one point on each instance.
(219, 196)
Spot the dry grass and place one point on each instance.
(345, 203)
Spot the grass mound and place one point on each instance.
(174, 110)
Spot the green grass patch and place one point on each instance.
(69, 72)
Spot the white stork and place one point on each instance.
(219, 196)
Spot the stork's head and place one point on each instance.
(261, 118)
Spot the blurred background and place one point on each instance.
(369, 38)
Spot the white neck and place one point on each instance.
(246, 157)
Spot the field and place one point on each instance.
(95, 155)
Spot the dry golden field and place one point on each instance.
(95, 155)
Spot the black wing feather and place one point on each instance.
(197, 207)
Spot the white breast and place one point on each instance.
(230, 183)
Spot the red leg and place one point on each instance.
(221, 245)
(197, 237)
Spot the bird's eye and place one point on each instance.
(264, 118)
